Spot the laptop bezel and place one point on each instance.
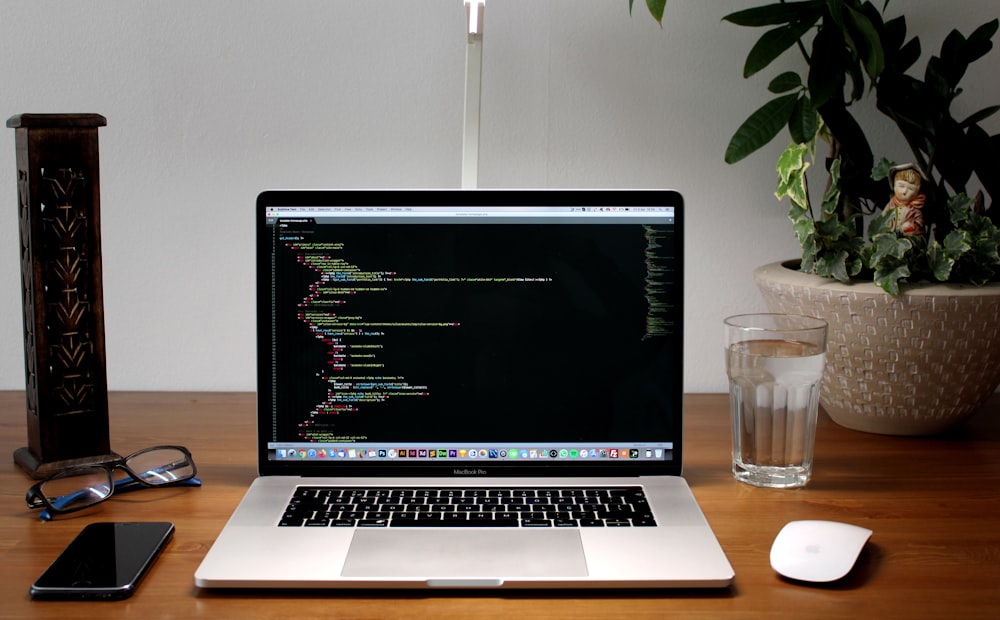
(422, 197)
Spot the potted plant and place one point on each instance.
(917, 348)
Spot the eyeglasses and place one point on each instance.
(82, 487)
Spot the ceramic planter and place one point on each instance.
(916, 364)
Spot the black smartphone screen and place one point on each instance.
(105, 561)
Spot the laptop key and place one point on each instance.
(504, 522)
(429, 517)
(483, 523)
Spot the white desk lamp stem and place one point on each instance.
(475, 10)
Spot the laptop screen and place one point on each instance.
(469, 333)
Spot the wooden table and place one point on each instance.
(934, 505)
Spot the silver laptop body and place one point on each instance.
(469, 389)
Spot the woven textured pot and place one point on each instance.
(916, 364)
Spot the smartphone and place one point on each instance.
(105, 561)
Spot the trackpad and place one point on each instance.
(464, 554)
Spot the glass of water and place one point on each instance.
(775, 364)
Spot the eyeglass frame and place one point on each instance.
(36, 499)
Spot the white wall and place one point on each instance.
(210, 102)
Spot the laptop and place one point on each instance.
(469, 389)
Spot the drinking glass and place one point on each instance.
(775, 364)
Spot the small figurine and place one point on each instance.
(907, 203)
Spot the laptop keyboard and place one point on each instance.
(471, 507)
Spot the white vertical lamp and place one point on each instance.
(475, 10)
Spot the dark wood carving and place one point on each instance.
(58, 186)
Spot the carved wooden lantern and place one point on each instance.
(58, 189)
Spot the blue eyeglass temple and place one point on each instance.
(122, 485)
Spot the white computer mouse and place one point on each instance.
(817, 551)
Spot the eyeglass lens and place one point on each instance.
(78, 489)
(161, 465)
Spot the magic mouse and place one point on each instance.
(817, 551)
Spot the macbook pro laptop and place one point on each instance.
(469, 389)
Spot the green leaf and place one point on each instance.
(957, 243)
(826, 73)
(760, 128)
(889, 246)
(938, 76)
(987, 245)
(986, 31)
(804, 121)
(888, 278)
(833, 229)
(978, 43)
(960, 209)
(836, 9)
(833, 266)
(980, 115)
(880, 225)
(872, 53)
(952, 64)
(787, 81)
(857, 82)
(774, 14)
(881, 169)
(831, 200)
(805, 230)
(979, 275)
(908, 55)
(772, 44)
(792, 175)
(856, 266)
(656, 8)
(808, 260)
(940, 264)
(795, 189)
(792, 161)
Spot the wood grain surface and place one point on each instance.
(933, 503)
